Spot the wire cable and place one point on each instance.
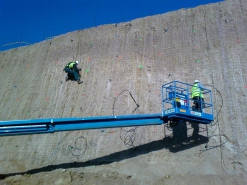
(75, 148)
(220, 106)
(221, 134)
(137, 105)
(129, 136)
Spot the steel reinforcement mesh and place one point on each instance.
(124, 65)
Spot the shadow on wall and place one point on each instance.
(173, 144)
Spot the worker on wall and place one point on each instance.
(197, 95)
(73, 71)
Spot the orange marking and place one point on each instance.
(47, 99)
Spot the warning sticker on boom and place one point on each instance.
(169, 111)
(196, 113)
(182, 110)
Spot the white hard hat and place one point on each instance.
(77, 62)
(196, 81)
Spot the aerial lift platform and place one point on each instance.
(177, 106)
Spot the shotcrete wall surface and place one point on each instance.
(208, 43)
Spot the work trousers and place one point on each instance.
(198, 103)
(72, 73)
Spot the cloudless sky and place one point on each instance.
(31, 21)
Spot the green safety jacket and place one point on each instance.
(196, 91)
(70, 65)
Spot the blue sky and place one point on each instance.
(31, 21)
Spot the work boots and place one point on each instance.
(80, 82)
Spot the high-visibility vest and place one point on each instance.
(196, 91)
(70, 65)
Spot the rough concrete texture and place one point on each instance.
(208, 43)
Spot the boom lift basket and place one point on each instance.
(177, 104)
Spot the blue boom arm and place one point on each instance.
(176, 106)
(40, 126)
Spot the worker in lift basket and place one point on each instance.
(197, 95)
(73, 71)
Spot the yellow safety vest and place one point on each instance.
(70, 65)
(196, 91)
